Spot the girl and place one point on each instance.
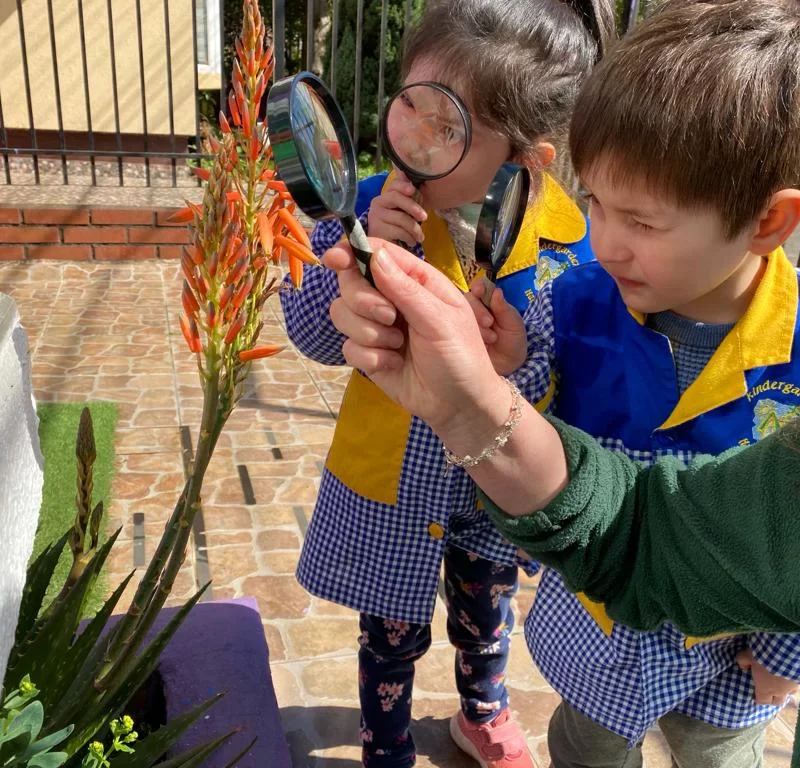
(388, 514)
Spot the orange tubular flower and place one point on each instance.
(247, 355)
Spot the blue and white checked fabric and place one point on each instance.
(627, 681)
(372, 557)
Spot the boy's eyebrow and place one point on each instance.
(638, 213)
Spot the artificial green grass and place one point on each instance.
(58, 428)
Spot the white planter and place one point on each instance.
(21, 473)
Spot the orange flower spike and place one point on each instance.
(238, 270)
(213, 262)
(202, 284)
(251, 63)
(202, 173)
(243, 291)
(191, 334)
(198, 257)
(240, 100)
(212, 315)
(237, 118)
(261, 87)
(224, 125)
(246, 126)
(187, 266)
(239, 48)
(238, 78)
(247, 355)
(225, 297)
(190, 305)
(235, 327)
(234, 196)
(183, 216)
(276, 185)
(295, 227)
(265, 232)
(296, 271)
(254, 148)
(297, 250)
(267, 174)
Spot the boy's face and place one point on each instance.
(663, 256)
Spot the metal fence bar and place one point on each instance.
(4, 135)
(170, 101)
(381, 75)
(57, 85)
(145, 137)
(26, 73)
(279, 36)
(195, 64)
(334, 46)
(357, 93)
(223, 85)
(86, 91)
(115, 90)
(630, 13)
(24, 151)
(310, 35)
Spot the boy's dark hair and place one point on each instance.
(520, 62)
(702, 101)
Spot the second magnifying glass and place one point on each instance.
(500, 222)
(315, 157)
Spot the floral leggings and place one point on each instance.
(479, 622)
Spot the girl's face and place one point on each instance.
(470, 181)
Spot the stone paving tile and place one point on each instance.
(110, 331)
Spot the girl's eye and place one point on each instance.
(405, 100)
(448, 134)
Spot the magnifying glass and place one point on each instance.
(500, 221)
(315, 157)
(427, 131)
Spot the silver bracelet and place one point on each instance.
(499, 440)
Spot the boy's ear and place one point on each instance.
(777, 223)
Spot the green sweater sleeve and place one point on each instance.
(713, 547)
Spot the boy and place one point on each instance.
(682, 338)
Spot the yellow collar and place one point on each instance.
(554, 216)
(764, 335)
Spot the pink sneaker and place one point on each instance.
(499, 744)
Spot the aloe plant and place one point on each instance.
(244, 224)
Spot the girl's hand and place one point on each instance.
(396, 215)
(502, 329)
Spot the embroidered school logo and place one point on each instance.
(547, 269)
(770, 415)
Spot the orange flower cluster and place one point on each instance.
(245, 224)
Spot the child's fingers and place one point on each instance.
(489, 336)
(363, 300)
(482, 314)
(398, 222)
(364, 332)
(339, 258)
(395, 199)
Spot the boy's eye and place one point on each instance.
(641, 226)
(587, 197)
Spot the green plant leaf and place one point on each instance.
(53, 633)
(194, 758)
(50, 760)
(152, 747)
(238, 757)
(102, 708)
(47, 743)
(68, 675)
(28, 722)
(40, 572)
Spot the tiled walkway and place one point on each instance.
(109, 331)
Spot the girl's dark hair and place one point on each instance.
(520, 63)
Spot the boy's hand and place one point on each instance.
(502, 329)
(769, 689)
(395, 214)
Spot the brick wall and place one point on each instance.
(89, 234)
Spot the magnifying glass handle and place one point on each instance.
(488, 291)
(360, 245)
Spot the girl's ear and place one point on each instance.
(539, 157)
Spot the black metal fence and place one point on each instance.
(172, 153)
